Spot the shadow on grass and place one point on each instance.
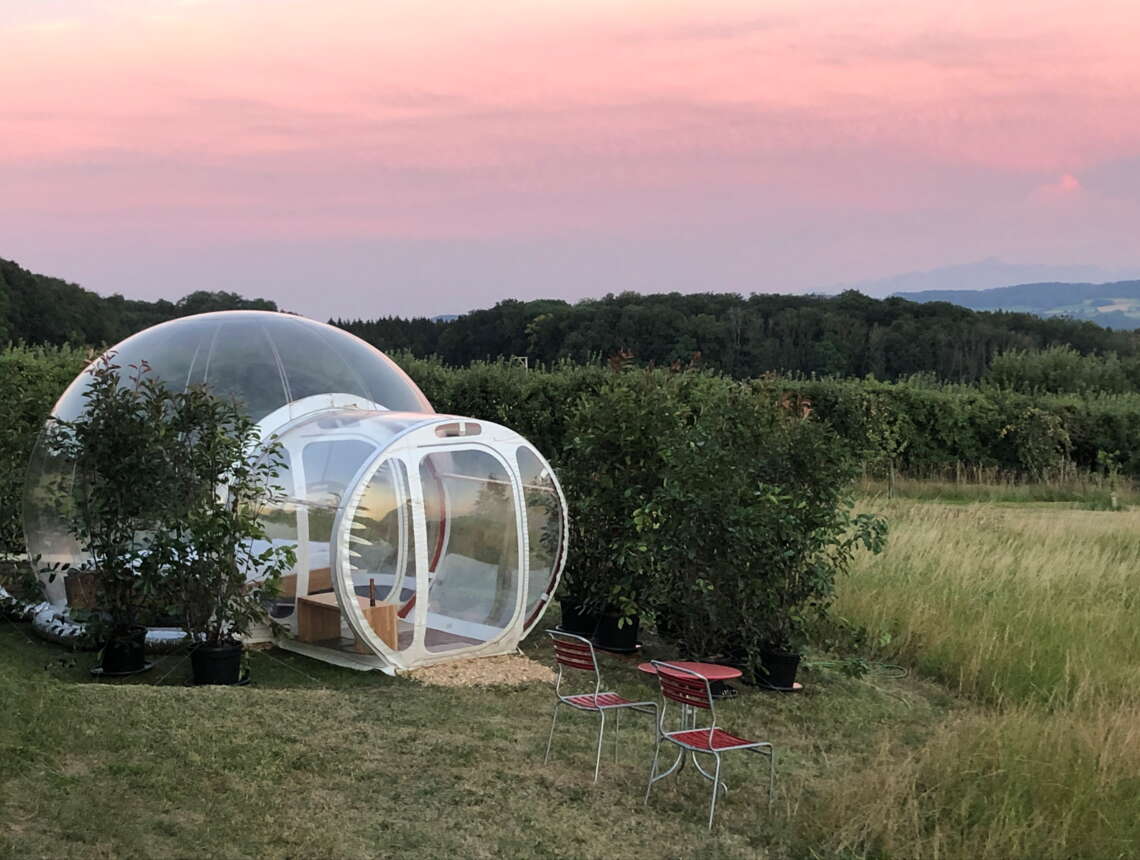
(269, 668)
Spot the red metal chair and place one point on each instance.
(577, 652)
(691, 690)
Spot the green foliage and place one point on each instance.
(23, 586)
(165, 499)
(944, 429)
(535, 402)
(31, 380)
(846, 335)
(120, 485)
(716, 508)
(205, 546)
(1063, 370)
(1041, 441)
(37, 309)
(612, 464)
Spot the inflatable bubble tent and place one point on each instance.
(419, 537)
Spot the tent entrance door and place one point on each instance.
(435, 531)
(374, 560)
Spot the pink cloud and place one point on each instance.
(1066, 186)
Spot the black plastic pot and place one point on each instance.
(217, 664)
(610, 637)
(125, 652)
(777, 670)
(575, 619)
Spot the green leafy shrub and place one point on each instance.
(716, 508)
(164, 503)
(31, 380)
(210, 550)
(611, 465)
(758, 524)
(122, 484)
(1061, 369)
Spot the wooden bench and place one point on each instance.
(318, 619)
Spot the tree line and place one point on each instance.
(849, 335)
(40, 310)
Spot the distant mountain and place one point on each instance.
(984, 275)
(1113, 305)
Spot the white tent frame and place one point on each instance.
(409, 447)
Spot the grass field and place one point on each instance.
(1016, 735)
(1088, 492)
(1031, 611)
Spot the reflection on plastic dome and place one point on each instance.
(278, 365)
(419, 537)
(266, 360)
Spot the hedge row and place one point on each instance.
(31, 380)
(931, 430)
(925, 429)
(928, 429)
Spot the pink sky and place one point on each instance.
(363, 158)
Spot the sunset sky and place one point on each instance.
(366, 158)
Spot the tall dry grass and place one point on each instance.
(1032, 613)
(1007, 604)
(1083, 490)
(1020, 783)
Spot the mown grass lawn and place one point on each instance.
(315, 761)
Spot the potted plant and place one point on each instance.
(611, 469)
(576, 617)
(778, 659)
(116, 497)
(750, 527)
(215, 562)
(618, 630)
(164, 504)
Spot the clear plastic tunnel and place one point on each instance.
(419, 538)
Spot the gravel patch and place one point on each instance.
(509, 670)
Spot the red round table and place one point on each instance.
(712, 671)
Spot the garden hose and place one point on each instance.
(875, 669)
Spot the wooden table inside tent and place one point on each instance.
(318, 619)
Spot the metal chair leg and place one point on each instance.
(617, 732)
(653, 769)
(550, 739)
(716, 784)
(771, 776)
(601, 739)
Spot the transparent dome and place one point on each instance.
(419, 537)
(279, 366)
(266, 360)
